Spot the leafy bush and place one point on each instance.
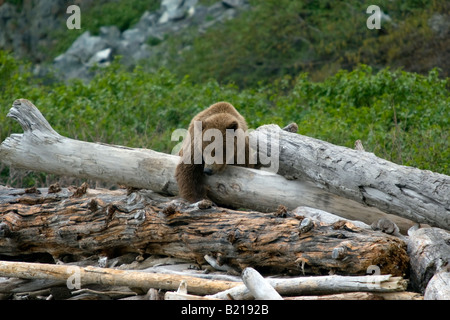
(283, 37)
(400, 116)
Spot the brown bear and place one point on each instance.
(217, 136)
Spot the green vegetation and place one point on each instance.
(400, 116)
(311, 62)
(285, 37)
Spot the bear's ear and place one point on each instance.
(233, 125)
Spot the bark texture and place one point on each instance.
(112, 223)
(420, 195)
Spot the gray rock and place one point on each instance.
(233, 3)
(75, 62)
(101, 58)
(142, 40)
(175, 10)
(109, 33)
(440, 24)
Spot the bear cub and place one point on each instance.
(217, 137)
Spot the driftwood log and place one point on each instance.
(438, 287)
(75, 277)
(429, 251)
(322, 285)
(335, 179)
(259, 287)
(86, 222)
(419, 195)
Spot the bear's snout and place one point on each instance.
(207, 171)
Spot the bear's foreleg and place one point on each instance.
(190, 181)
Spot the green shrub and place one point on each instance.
(284, 37)
(400, 116)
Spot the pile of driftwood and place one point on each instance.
(322, 228)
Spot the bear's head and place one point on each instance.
(223, 142)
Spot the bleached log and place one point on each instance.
(362, 296)
(438, 287)
(418, 195)
(106, 276)
(340, 296)
(40, 148)
(259, 287)
(429, 252)
(322, 285)
(170, 295)
(326, 217)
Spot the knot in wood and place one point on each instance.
(169, 210)
(221, 188)
(204, 204)
(5, 230)
(93, 205)
(338, 253)
(305, 225)
(281, 211)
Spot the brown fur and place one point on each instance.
(221, 116)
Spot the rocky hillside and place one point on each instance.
(271, 39)
(27, 31)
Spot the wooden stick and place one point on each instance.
(322, 285)
(259, 287)
(77, 276)
(362, 296)
(340, 296)
(170, 295)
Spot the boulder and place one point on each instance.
(138, 42)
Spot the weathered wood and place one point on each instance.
(184, 296)
(438, 287)
(429, 251)
(340, 296)
(108, 276)
(40, 148)
(114, 222)
(259, 287)
(362, 296)
(419, 195)
(322, 285)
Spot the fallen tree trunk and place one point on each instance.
(40, 148)
(419, 195)
(111, 222)
(76, 277)
(438, 287)
(429, 252)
